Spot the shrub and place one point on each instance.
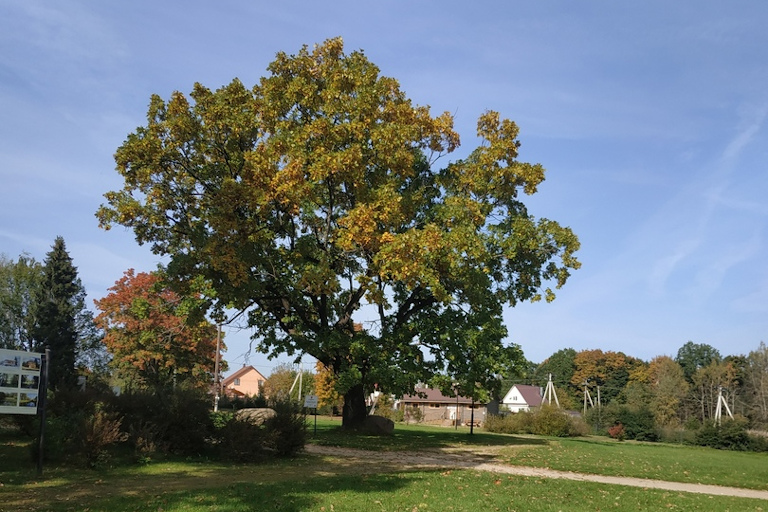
(638, 422)
(617, 432)
(241, 441)
(385, 408)
(175, 421)
(549, 421)
(60, 435)
(545, 421)
(729, 435)
(498, 423)
(146, 439)
(676, 435)
(412, 414)
(758, 441)
(80, 428)
(99, 430)
(287, 430)
(283, 434)
(235, 403)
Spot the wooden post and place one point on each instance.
(41, 406)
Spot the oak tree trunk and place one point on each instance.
(354, 412)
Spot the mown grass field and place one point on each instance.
(321, 484)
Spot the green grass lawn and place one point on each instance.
(675, 463)
(321, 484)
(596, 455)
(307, 486)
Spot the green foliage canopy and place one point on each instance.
(316, 192)
(19, 281)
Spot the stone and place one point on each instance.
(256, 416)
(378, 425)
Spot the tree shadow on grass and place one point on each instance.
(310, 493)
(304, 486)
(418, 438)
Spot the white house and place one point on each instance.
(522, 398)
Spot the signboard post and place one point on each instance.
(310, 402)
(23, 377)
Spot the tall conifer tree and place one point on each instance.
(59, 300)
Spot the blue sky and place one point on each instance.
(651, 120)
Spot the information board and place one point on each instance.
(19, 381)
(310, 401)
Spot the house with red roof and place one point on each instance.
(522, 397)
(431, 406)
(247, 381)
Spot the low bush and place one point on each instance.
(283, 434)
(99, 431)
(637, 422)
(85, 429)
(676, 435)
(545, 421)
(413, 414)
(241, 441)
(173, 421)
(731, 434)
(79, 431)
(287, 430)
(617, 432)
(235, 403)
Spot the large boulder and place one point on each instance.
(378, 425)
(256, 416)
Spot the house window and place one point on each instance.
(434, 406)
(237, 382)
(514, 398)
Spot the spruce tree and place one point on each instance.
(59, 301)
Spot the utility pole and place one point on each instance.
(550, 393)
(587, 397)
(297, 379)
(719, 409)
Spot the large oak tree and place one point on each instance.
(315, 201)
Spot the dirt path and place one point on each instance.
(371, 461)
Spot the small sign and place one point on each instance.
(310, 401)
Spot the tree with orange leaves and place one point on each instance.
(158, 339)
(609, 370)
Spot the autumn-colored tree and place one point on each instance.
(283, 383)
(609, 370)
(325, 387)
(158, 339)
(668, 390)
(314, 199)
